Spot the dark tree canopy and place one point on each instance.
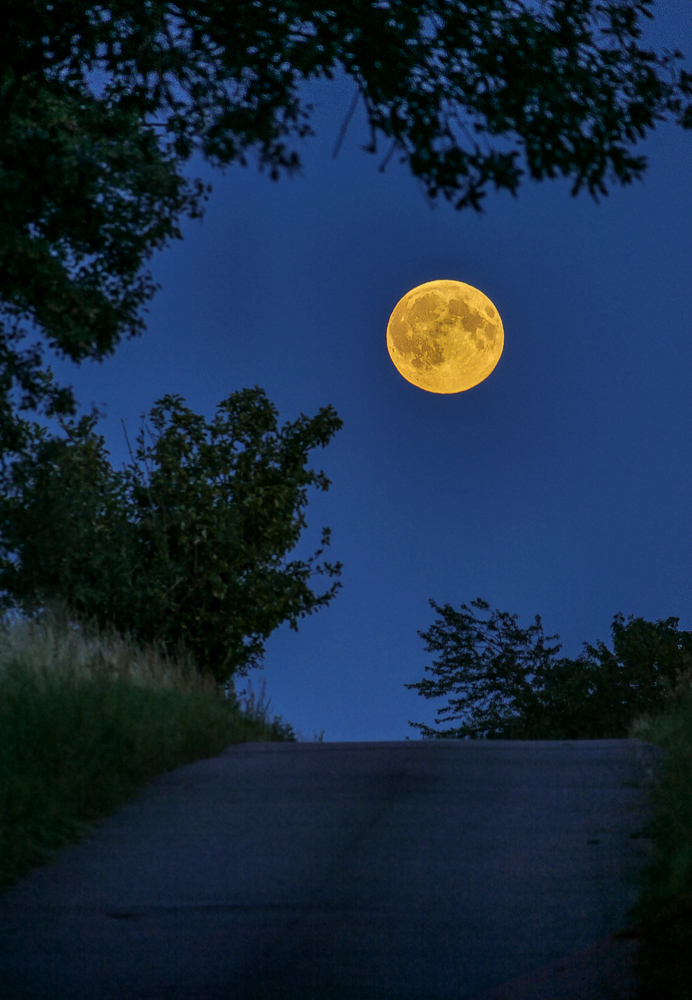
(91, 183)
(511, 686)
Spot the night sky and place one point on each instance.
(560, 486)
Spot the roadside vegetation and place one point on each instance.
(87, 718)
(139, 598)
(661, 918)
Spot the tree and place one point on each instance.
(91, 183)
(189, 557)
(650, 662)
(596, 696)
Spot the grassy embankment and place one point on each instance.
(86, 720)
(661, 918)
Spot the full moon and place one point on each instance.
(445, 336)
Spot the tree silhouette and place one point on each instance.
(513, 687)
(191, 555)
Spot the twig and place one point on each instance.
(342, 132)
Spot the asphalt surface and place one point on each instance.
(413, 870)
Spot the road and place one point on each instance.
(412, 870)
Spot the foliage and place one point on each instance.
(188, 558)
(486, 660)
(512, 687)
(90, 177)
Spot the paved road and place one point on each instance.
(412, 870)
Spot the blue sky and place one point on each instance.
(560, 486)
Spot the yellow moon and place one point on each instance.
(445, 336)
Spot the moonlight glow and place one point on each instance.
(445, 336)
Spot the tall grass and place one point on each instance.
(87, 719)
(661, 917)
